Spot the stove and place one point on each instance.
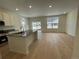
(4, 30)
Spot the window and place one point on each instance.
(52, 22)
(36, 25)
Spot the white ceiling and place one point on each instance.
(39, 7)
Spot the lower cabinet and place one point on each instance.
(21, 44)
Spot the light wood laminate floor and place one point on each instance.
(50, 46)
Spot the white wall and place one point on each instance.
(75, 54)
(71, 22)
(43, 20)
(27, 25)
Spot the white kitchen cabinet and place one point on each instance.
(0, 15)
(21, 44)
(16, 21)
(11, 19)
(6, 19)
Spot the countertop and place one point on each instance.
(21, 34)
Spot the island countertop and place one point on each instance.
(21, 34)
(20, 43)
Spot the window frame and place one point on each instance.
(51, 21)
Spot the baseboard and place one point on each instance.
(71, 36)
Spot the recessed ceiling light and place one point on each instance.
(50, 6)
(64, 12)
(30, 6)
(17, 9)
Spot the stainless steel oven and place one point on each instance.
(3, 37)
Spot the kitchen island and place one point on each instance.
(20, 42)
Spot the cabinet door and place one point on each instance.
(0, 15)
(6, 19)
(16, 22)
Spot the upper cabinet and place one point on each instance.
(15, 21)
(6, 19)
(0, 15)
(11, 19)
